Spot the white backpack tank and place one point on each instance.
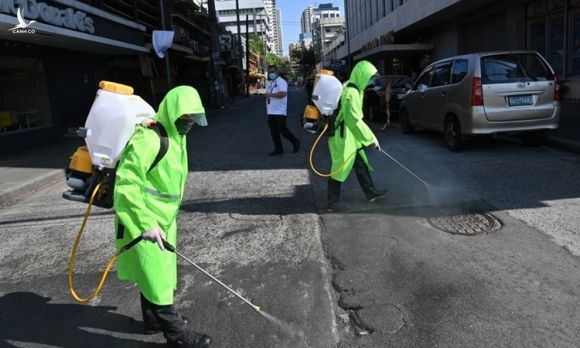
(111, 122)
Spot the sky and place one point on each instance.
(291, 13)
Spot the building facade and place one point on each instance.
(328, 25)
(306, 39)
(400, 36)
(263, 20)
(279, 41)
(255, 10)
(306, 19)
(49, 72)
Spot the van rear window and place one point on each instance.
(507, 68)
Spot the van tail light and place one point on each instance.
(476, 92)
(381, 94)
(556, 88)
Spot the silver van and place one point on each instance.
(514, 92)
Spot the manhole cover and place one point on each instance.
(466, 224)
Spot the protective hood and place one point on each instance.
(361, 74)
(178, 102)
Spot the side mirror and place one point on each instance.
(422, 88)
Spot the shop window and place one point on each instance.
(556, 52)
(538, 37)
(575, 43)
(24, 101)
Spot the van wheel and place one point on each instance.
(452, 132)
(535, 138)
(406, 127)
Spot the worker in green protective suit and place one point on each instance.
(351, 134)
(146, 203)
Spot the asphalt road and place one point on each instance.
(247, 218)
(376, 275)
(405, 283)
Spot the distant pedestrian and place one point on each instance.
(351, 136)
(276, 105)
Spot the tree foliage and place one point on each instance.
(304, 57)
(256, 44)
(273, 59)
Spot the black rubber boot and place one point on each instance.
(150, 324)
(366, 181)
(333, 194)
(174, 326)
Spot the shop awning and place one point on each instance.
(401, 48)
(49, 35)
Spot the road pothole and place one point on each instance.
(379, 318)
(349, 280)
(466, 224)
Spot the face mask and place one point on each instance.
(184, 124)
(272, 76)
(371, 83)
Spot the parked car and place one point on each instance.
(389, 89)
(515, 92)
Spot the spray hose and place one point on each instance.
(311, 157)
(111, 261)
(108, 266)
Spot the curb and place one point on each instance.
(20, 191)
(563, 144)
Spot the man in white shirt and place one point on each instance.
(276, 106)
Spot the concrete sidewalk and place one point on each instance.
(27, 171)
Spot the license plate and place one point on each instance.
(400, 96)
(520, 100)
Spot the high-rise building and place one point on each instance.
(280, 47)
(258, 22)
(306, 19)
(263, 19)
(273, 28)
(327, 25)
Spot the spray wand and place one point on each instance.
(171, 248)
(405, 168)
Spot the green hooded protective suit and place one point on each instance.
(145, 199)
(351, 133)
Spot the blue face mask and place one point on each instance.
(272, 76)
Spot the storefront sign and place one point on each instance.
(34, 10)
(385, 39)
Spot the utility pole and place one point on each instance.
(240, 54)
(163, 27)
(264, 43)
(217, 84)
(247, 55)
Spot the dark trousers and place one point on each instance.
(364, 179)
(277, 125)
(171, 322)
